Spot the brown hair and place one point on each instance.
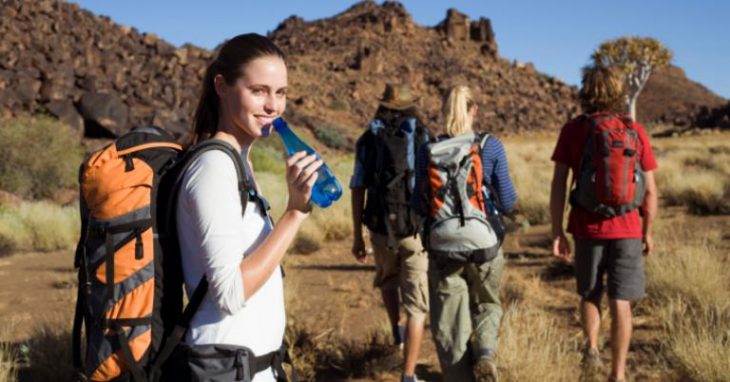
(602, 89)
(229, 62)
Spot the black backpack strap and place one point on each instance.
(83, 288)
(79, 315)
(178, 332)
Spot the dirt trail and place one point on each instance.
(330, 294)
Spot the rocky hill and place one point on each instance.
(103, 78)
(670, 97)
(341, 64)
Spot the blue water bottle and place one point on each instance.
(327, 188)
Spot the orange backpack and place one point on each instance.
(130, 294)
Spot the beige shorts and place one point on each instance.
(406, 267)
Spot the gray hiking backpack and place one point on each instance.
(458, 226)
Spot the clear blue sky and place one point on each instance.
(558, 36)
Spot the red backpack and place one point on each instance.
(610, 180)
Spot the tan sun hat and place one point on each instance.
(398, 97)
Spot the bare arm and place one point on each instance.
(357, 202)
(561, 249)
(649, 210)
(259, 265)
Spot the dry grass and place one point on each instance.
(533, 349)
(698, 340)
(332, 223)
(8, 356)
(325, 353)
(531, 171)
(689, 293)
(695, 173)
(690, 269)
(38, 226)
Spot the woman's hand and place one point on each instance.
(300, 177)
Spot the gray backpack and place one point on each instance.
(458, 227)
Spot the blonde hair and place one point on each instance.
(602, 89)
(457, 107)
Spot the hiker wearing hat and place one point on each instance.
(382, 185)
(612, 204)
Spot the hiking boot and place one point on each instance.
(592, 368)
(485, 370)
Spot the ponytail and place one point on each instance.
(205, 121)
(457, 107)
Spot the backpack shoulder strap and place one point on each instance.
(244, 184)
(482, 138)
(178, 332)
(244, 187)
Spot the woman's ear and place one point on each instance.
(474, 110)
(221, 87)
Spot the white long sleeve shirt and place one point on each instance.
(214, 237)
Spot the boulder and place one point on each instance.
(105, 111)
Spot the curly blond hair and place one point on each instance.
(602, 89)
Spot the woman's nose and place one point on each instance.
(270, 104)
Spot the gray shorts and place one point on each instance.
(621, 259)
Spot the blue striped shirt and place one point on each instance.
(496, 175)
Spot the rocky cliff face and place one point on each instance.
(103, 78)
(91, 72)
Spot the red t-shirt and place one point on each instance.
(585, 224)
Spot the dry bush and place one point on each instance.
(686, 267)
(38, 157)
(698, 340)
(518, 287)
(533, 349)
(8, 357)
(531, 170)
(38, 226)
(49, 357)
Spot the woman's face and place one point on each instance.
(256, 98)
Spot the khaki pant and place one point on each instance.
(465, 312)
(404, 266)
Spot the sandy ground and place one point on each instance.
(331, 295)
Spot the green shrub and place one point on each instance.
(340, 105)
(331, 137)
(268, 156)
(38, 226)
(38, 157)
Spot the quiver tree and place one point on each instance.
(636, 57)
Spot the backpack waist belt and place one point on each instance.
(476, 256)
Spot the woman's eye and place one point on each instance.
(258, 91)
